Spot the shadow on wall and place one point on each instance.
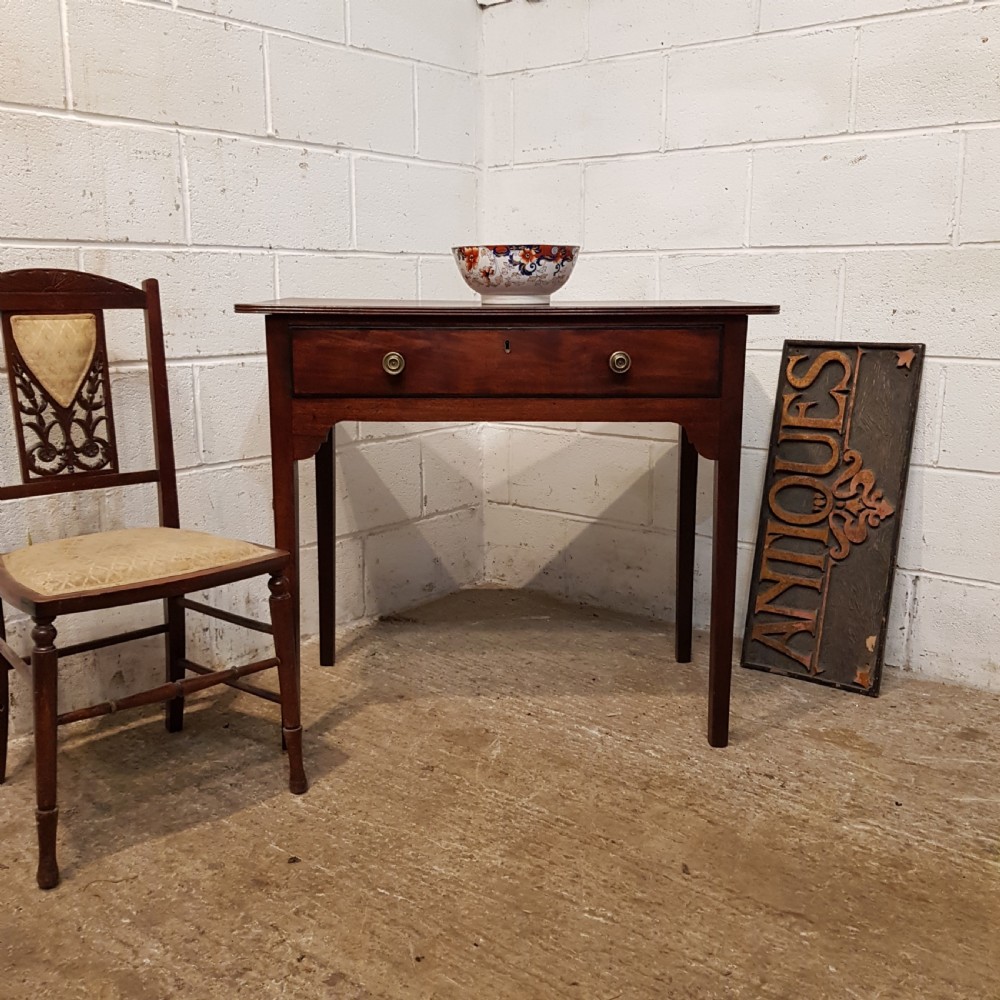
(612, 559)
(413, 507)
(621, 556)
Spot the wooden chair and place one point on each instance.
(53, 338)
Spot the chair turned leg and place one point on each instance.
(44, 664)
(285, 646)
(4, 718)
(176, 651)
(4, 703)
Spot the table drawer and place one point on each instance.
(513, 362)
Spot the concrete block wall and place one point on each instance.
(833, 156)
(240, 150)
(837, 157)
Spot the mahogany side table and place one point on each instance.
(680, 362)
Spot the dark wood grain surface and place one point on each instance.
(556, 310)
(472, 361)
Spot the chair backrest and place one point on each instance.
(60, 389)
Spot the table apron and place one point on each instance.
(312, 417)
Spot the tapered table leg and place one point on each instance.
(325, 550)
(284, 468)
(727, 478)
(725, 532)
(687, 496)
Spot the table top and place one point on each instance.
(566, 310)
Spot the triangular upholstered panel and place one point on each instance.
(58, 350)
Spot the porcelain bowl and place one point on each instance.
(516, 274)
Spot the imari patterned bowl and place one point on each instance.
(515, 275)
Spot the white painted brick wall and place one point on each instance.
(134, 422)
(454, 136)
(971, 399)
(197, 292)
(695, 199)
(232, 433)
(169, 69)
(124, 183)
(807, 286)
(415, 563)
(242, 149)
(944, 508)
(406, 204)
(367, 99)
(444, 32)
(846, 169)
(953, 629)
(378, 483)
(238, 150)
(760, 88)
(776, 15)
(323, 19)
(451, 464)
(497, 127)
(518, 37)
(579, 110)
(245, 193)
(315, 276)
(947, 297)
(616, 29)
(613, 483)
(439, 279)
(873, 190)
(615, 276)
(980, 207)
(935, 70)
(529, 200)
(31, 37)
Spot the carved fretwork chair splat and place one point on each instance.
(61, 395)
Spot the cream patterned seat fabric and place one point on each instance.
(120, 558)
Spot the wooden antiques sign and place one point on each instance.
(831, 512)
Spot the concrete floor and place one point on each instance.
(513, 798)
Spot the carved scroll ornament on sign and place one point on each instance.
(831, 512)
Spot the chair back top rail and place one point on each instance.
(60, 290)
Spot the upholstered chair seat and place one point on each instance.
(128, 557)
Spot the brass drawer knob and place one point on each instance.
(393, 363)
(620, 362)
